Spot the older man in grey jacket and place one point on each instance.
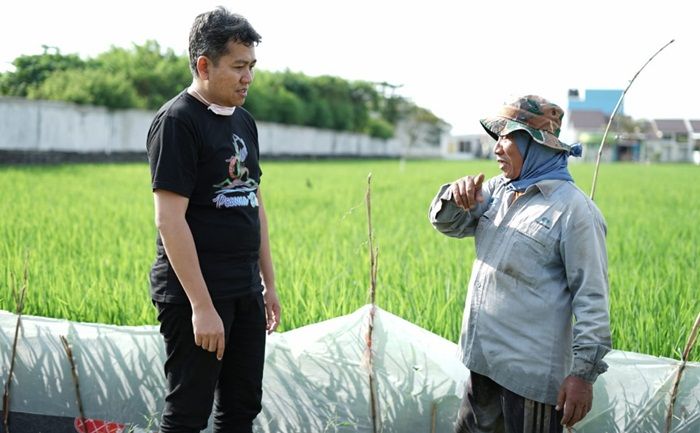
(541, 262)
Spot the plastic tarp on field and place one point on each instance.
(316, 380)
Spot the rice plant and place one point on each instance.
(88, 233)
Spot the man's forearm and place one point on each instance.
(450, 219)
(179, 246)
(586, 262)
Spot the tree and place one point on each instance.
(88, 86)
(380, 128)
(32, 70)
(156, 75)
(145, 76)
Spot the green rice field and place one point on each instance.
(86, 233)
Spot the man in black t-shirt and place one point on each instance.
(213, 280)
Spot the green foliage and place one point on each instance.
(338, 93)
(286, 108)
(155, 75)
(142, 77)
(321, 114)
(145, 76)
(380, 128)
(90, 87)
(269, 100)
(91, 246)
(392, 109)
(322, 102)
(32, 70)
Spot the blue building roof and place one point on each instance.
(596, 100)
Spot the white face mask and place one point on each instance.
(215, 108)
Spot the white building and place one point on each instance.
(468, 146)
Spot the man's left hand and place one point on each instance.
(273, 310)
(575, 399)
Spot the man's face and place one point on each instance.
(230, 78)
(508, 156)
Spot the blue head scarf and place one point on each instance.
(540, 162)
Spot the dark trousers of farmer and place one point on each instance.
(197, 380)
(487, 407)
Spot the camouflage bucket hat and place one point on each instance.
(534, 114)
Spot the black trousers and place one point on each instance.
(197, 380)
(487, 407)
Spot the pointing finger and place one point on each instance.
(459, 196)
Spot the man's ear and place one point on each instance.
(203, 67)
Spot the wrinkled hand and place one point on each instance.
(209, 330)
(466, 192)
(575, 399)
(273, 310)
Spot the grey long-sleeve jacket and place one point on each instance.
(541, 262)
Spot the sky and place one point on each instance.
(459, 59)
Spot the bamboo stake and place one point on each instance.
(612, 116)
(372, 295)
(69, 352)
(19, 306)
(372, 250)
(674, 392)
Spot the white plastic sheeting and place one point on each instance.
(316, 379)
(633, 396)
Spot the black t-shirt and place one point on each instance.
(212, 160)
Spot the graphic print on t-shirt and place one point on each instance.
(238, 189)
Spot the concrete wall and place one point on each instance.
(288, 140)
(62, 127)
(53, 126)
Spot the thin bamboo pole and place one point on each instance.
(612, 116)
(374, 401)
(19, 306)
(674, 391)
(69, 353)
(373, 253)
